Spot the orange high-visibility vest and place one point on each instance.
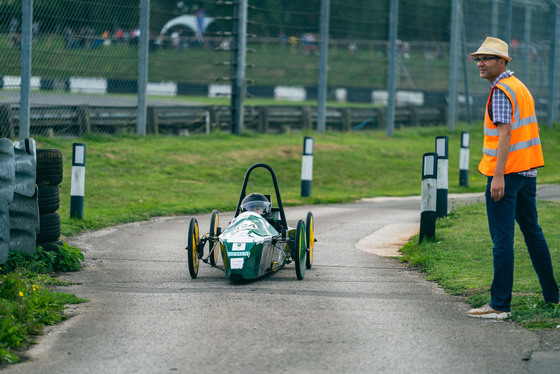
(525, 151)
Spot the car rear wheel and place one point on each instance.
(193, 243)
(299, 250)
(213, 243)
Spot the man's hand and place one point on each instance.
(497, 187)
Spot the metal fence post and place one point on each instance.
(554, 60)
(453, 64)
(527, 41)
(25, 85)
(143, 66)
(238, 65)
(323, 58)
(391, 80)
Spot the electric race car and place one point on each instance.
(258, 241)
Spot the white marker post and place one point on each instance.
(307, 166)
(442, 150)
(464, 159)
(77, 188)
(429, 195)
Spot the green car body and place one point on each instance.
(251, 247)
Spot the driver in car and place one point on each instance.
(258, 203)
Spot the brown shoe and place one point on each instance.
(486, 311)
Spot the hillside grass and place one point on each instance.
(130, 178)
(270, 65)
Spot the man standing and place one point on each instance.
(511, 155)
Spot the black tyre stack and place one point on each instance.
(49, 177)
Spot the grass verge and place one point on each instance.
(460, 260)
(27, 297)
(131, 178)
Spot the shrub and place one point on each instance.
(26, 302)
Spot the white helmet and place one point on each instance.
(256, 202)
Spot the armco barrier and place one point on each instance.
(77, 120)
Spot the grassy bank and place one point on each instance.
(271, 65)
(134, 178)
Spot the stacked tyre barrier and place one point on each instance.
(7, 183)
(49, 177)
(20, 221)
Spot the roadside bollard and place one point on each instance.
(77, 188)
(428, 199)
(464, 159)
(307, 166)
(442, 148)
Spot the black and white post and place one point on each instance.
(442, 150)
(464, 159)
(307, 166)
(429, 195)
(77, 188)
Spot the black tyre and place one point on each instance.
(49, 167)
(299, 250)
(49, 228)
(310, 238)
(49, 199)
(214, 244)
(193, 244)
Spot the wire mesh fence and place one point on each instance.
(85, 62)
(530, 36)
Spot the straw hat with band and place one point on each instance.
(493, 47)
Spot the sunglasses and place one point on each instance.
(485, 58)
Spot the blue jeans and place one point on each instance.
(518, 204)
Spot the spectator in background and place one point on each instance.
(309, 44)
(283, 39)
(514, 43)
(293, 44)
(14, 35)
(352, 46)
(68, 38)
(105, 38)
(35, 29)
(119, 36)
(175, 40)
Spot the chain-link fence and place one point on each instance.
(85, 62)
(530, 27)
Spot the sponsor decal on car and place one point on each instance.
(237, 263)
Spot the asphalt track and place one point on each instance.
(355, 311)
